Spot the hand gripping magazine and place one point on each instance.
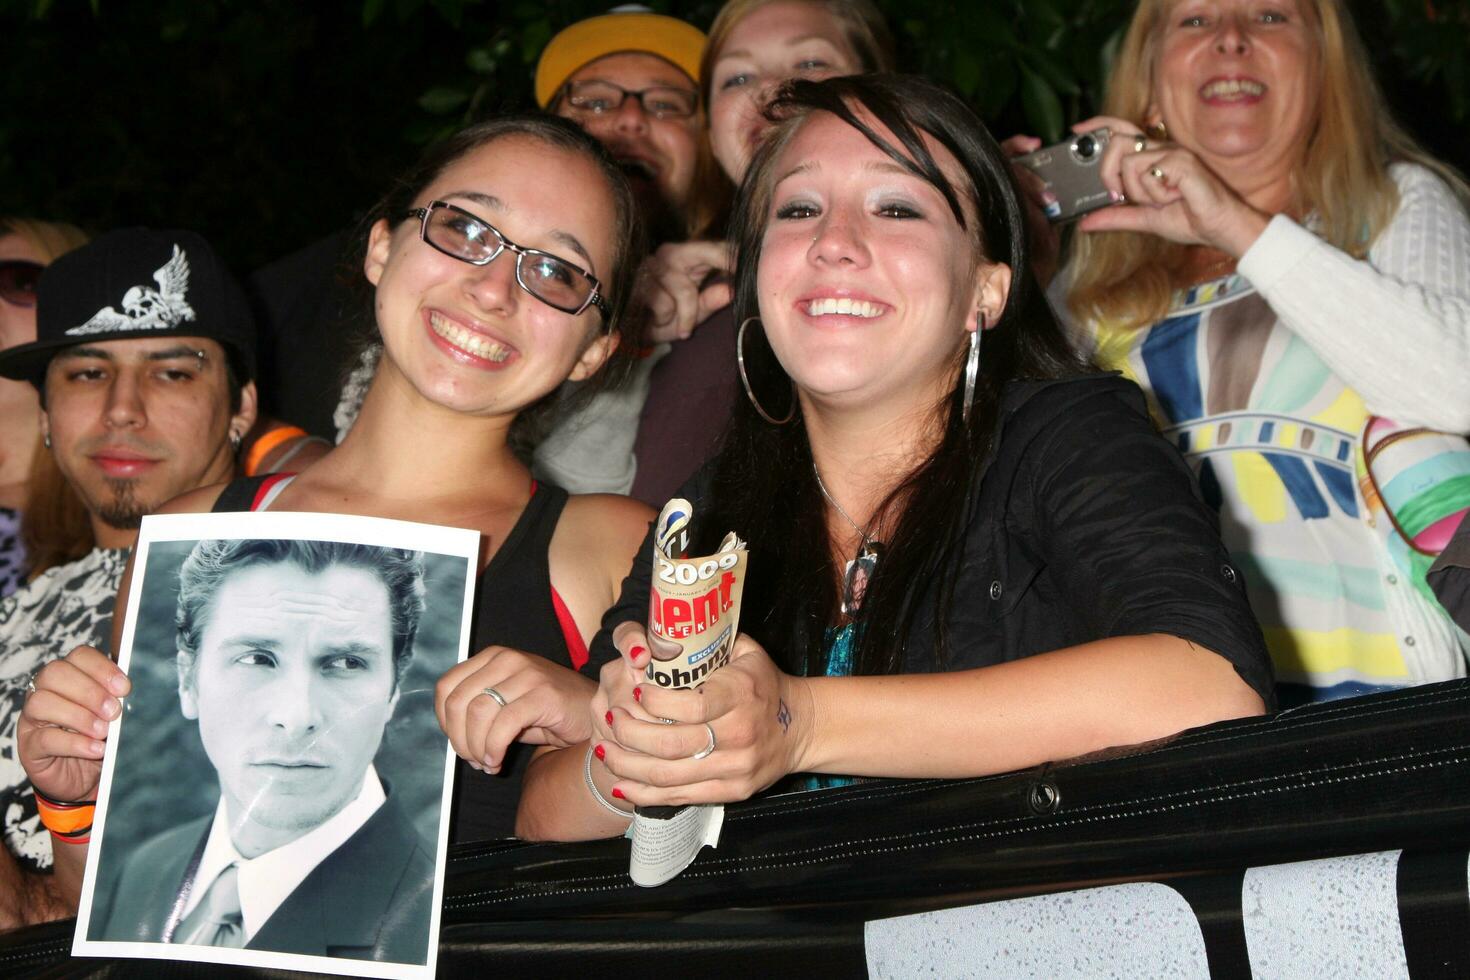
(693, 619)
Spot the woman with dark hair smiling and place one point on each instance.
(754, 46)
(1041, 577)
(500, 266)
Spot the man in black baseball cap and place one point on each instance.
(136, 283)
(144, 354)
(144, 357)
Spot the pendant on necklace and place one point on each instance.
(856, 574)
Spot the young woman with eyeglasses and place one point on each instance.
(26, 248)
(499, 267)
(969, 553)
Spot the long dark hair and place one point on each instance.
(617, 281)
(763, 483)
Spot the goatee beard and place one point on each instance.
(123, 511)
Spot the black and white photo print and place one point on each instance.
(276, 791)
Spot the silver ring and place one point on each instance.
(708, 748)
(1140, 143)
(31, 685)
(496, 696)
(666, 721)
(1157, 173)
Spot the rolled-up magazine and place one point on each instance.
(693, 619)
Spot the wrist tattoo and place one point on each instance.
(783, 716)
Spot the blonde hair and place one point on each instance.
(863, 27)
(55, 525)
(1343, 179)
(50, 239)
(866, 33)
(710, 191)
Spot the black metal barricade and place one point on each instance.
(796, 877)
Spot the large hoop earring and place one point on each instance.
(972, 369)
(745, 379)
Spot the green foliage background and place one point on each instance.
(267, 124)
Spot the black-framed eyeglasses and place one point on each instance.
(551, 279)
(660, 101)
(18, 279)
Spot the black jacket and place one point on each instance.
(1088, 525)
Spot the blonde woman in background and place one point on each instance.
(1288, 266)
(27, 247)
(30, 483)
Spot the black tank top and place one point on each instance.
(513, 608)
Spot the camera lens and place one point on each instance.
(1086, 146)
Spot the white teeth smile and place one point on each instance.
(845, 306)
(468, 340)
(1233, 88)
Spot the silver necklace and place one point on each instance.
(857, 573)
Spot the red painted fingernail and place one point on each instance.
(600, 752)
(609, 717)
(618, 793)
(637, 694)
(635, 653)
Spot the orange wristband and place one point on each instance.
(263, 446)
(68, 821)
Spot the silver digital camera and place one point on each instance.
(1070, 170)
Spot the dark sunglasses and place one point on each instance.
(18, 278)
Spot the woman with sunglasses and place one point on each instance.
(968, 552)
(499, 268)
(26, 247)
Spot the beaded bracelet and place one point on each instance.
(596, 795)
(69, 822)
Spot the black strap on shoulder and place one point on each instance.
(515, 607)
(536, 528)
(239, 494)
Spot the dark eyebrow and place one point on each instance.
(363, 651)
(489, 200)
(254, 642)
(496, 204)
(880, 167)
(891, 167)
(95, 353)
(652, 83)
(800, 168)
(167, 354)
(176, 353)
(570, 241)
(271, 644)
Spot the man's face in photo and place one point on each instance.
(292, 686)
